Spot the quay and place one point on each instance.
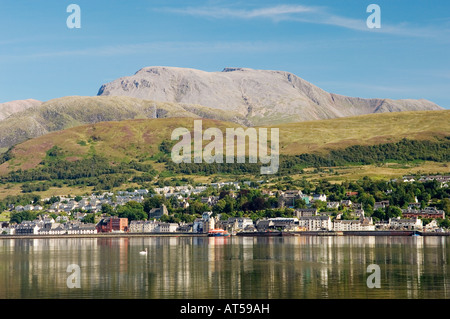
(242, 234)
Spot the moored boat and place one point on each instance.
(218, 232)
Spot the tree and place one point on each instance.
(299, 203)
(89, 219)
(107, 209)
(18, 217)
(132, 210)
(393, 211)
(153, 202)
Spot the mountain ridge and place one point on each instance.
(262, 96)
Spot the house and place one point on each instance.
(210, 200)
(414, 205)
(52, 229)
(185, 227)
(28, 207)
(320, 197)
(287, 198)
(406, 223)
(264, 225)
(305, 212)
(350, 194)
(428, 212)
(365, 224)
(346, 203)
(168, 227)
(141, 226)
(285, 224)
(431, 226)
(197, 226)
(82, 229)
(381, 205)
(208, 222)
(237, 224)
(315, 223)
(27, 228)
(332, 205)
(358, 213)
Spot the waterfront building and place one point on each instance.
(168, 227)
(285, 224)
(364, 224)
(237, 224)
(27, 228)
(264, 225)
(315, 223)
(110, 224)
(406, 223)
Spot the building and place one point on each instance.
(141, 226)
(428, 212)
(364, 224)
(285, 224)
(406, 223)
(305, 212)
(315, 223)
(237, 224)
(52, 229)
(381, 205)
(27, 228)
(332, 205)
(320, 197)
(264, 225)
(157, 213)
(82, 229)
(168, 227)
(112, 224)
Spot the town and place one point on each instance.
(412, 203)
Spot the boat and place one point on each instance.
(218, 232)
(143, 252)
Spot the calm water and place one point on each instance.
(236, 267)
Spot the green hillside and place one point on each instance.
(66, 112)
(140, 139)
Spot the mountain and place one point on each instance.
(8, 108)
(71, 111)
(124, 141)
(263, 97)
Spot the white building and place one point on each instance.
(321, 197)
(315, 223)
(406, 223)
(365, 224)
(168, 227)
(140, 226)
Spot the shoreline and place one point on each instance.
(403, 233)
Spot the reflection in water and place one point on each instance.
(221, 267)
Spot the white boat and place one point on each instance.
(143, 252)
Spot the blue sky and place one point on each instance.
(326, 42)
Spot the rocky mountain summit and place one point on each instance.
(263, 97)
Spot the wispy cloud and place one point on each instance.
(281, 12)
(307, 14)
